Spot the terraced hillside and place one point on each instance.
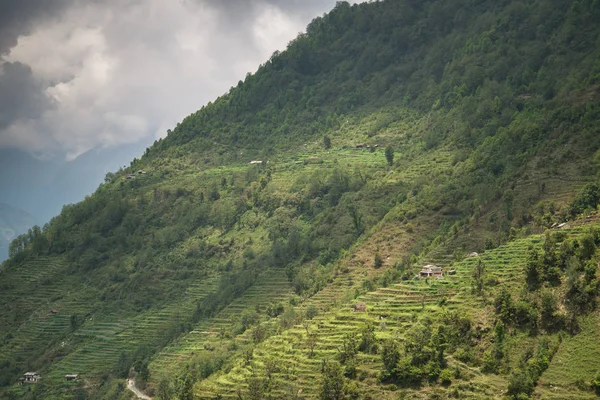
(391, 311)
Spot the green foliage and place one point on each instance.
(446, 377)
(378, 260)
(349, 349)
(390, 356)
(548, 311)
(505, 308)
(478, 278)
(332, 386)
(596, 383)
(389, 155)
(588, 198)
(311, 311)
(532, 272)
(368, 341)
(519, 383)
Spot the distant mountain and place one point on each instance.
(13, 222)
(42, 187)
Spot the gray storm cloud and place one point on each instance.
(80, 74)
(19, 18)
(21, 94)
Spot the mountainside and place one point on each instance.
(268, 246)
(13, 222)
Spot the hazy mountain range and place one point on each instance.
(33, 190)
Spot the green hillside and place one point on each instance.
(268, 246)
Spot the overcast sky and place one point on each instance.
(78, 74)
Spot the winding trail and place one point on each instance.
(131, 386)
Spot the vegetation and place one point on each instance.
(389, 135)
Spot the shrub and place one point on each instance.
(378, 262)
(464, 354)
(311, 311)
(389, 155)
(519, 384)
(446, 377)
(596, 383)
(587, 198)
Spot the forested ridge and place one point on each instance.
(390, 134)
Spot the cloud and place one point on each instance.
(18, 18)
(109, 72)
(21, 94)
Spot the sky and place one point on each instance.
(77, 75)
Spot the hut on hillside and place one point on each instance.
(431, 271)
(360, 307)
(31, 377)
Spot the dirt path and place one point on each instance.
(131, 386)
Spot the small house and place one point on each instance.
(431, 271)
(130, 176)
(473, 254)
(360, 307)
(53, 312)
(361, 146)
(255, 162)
(71, 377)
(31, 377)
(452, 272)
(141, 172)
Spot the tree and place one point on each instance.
(587, 198)
(378, 261)
(327, 142)
(519, 383)
(478, 278)
(367, 338)
(549, 307)
(505, 308)
(184, 386)
(332, 386)
(74, 322)
(532, 272)
(356, 219)
(508, 199)
(311, 342)
(257, 387)
(109, 177)
(141, 367)
(349, 348)
(389, 155)
(390, 357)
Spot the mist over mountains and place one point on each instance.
(35, 190)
